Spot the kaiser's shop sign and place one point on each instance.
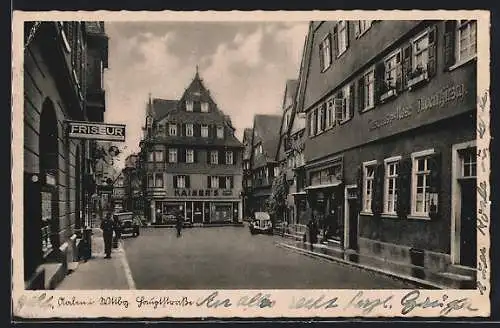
(96, 131)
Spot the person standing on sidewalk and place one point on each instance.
(107, 227)
(178, 225)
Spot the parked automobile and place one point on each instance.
(261, 224)
(129, 223)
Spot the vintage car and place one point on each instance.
(129, 223)
(261, 224)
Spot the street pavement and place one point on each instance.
(99, 272)
(231, 258)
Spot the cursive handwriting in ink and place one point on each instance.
(411, 301)
(367, 304)
(211, 301)
(73, 301)
(163, 301)
(314, 303)
(41, 301)
(258, 300)
(483, 264)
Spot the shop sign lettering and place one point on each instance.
(96, 131)
(201, 193)
(436, 100)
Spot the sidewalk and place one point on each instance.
(99, 272)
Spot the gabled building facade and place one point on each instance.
(191, 160)
(59, 58)
(263, 165)
(390, 148)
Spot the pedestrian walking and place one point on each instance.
(178, 225)
(107, 228)
(313, 232)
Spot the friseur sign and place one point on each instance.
(96, 131)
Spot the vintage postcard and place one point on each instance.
(258, 164)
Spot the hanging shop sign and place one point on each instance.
(96, 131)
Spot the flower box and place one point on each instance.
(415, 80)
(388, 95)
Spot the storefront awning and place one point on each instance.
(328, 185)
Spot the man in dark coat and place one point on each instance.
(107, 227)
(178, 224)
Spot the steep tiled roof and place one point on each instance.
(266, 130)
(162, 107)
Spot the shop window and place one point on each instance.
(204, 107)
(189, 156)
(390, 184)
(368, 185)
(361, 26)
(466, 40)
(189, 105)
(424, 199)
(214, 157)
(189, 130)
(172, 130)
(204, 131)
(229, 157)
(325, 53)
(172, 155)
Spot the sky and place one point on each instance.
(244, 65)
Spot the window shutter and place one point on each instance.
(432, 51)
(232, 182)
(323, 116)
(351, 100)
(449, 43)
(182, 155)
(435, 182)
(222, 182)
(379, 75)
(196, 130)
(361, 94)
(175, 181)
(315, 117)
(321, 59)
(188, 181)
(208, 156)
(403, 188)
(338, 105)
(209, 182)
(399, 73)
(335, 42)
(406, 64)
(378, 190)
(346, 34)
(359, 189)
(221, 157)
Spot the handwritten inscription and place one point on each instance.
(259, 300)
(367, 304)
(163, 301)
(321, 302)
(413, 300)
(42, 301)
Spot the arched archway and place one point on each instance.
(49, 169)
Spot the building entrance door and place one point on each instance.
(353, 224)
(468, 224)
(198, 212)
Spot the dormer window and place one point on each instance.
(189, 105)
(220, 132)
(204, 107)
